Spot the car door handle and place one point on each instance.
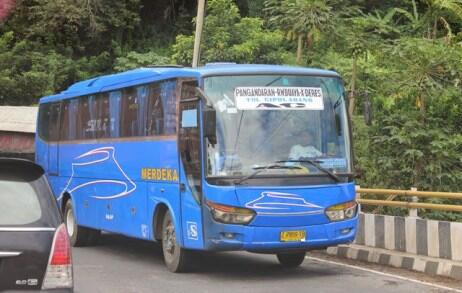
(4, 254)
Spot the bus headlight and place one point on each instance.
(342, 211)
(230, 215)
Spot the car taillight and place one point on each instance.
(59, 269)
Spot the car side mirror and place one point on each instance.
(209, 115)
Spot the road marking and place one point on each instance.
(383, 274)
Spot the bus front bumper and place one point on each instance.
(223, 237)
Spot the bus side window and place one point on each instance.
(54, 121)
(168, 95)
(142, 101)
(44, 122)
(103, 118)
(161, 108)
(129, 113)
(114, 113)
(63, 136)
(84, 124)
(155, 112)
(69, 120)
(49, 121)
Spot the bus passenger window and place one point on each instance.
(83, 125)
(129, 119)
(73, 114)
(88, 119)
(168, 95)
(64, 135)
(142, 99)
(102, 116)
(155, 112)
(161, 109)
(49, 121)
(69, 120)
(114, 113)
(44, 121)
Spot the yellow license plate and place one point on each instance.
(293, 236)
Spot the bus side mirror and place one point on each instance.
(210, 124)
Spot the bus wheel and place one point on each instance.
(291, 260)
(79, 236)
(175, 257)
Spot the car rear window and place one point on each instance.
(19, 204)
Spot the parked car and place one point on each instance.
(35, 252)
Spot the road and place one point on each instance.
(120, 264)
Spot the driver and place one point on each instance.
(305, 148)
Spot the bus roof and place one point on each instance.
(150, 74)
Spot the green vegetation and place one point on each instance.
(403, 55)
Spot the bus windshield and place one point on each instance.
(276, 123)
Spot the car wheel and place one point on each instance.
(79, 236)
(175, 257)
(291, 260)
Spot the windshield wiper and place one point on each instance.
(260, 169)
(315, 164)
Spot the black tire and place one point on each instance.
(79, 236)
(176, 258)
(291, 260)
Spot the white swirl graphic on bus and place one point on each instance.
(97, 157)
(278, 203)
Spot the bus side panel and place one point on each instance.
(150, 169)
(87, 209)
(108, 182)
(128, 214)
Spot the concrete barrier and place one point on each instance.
(433, 247)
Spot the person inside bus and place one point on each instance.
(305, 148)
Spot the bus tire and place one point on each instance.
(292, 259)
(176, 258)
(78, 235)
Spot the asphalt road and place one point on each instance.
(120, 264)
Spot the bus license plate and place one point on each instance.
(293, 236)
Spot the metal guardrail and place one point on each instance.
(413, 204)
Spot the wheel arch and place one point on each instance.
(160, 210)
(65, 198)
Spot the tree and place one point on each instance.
(366, 33)
(75, 28)
(229, 37)
(438, 11)
(303, 20)
(28, 72)
(134, 60)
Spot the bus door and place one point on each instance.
(190, 166)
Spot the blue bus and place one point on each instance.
(219, 158)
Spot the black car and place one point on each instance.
(35, 252)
